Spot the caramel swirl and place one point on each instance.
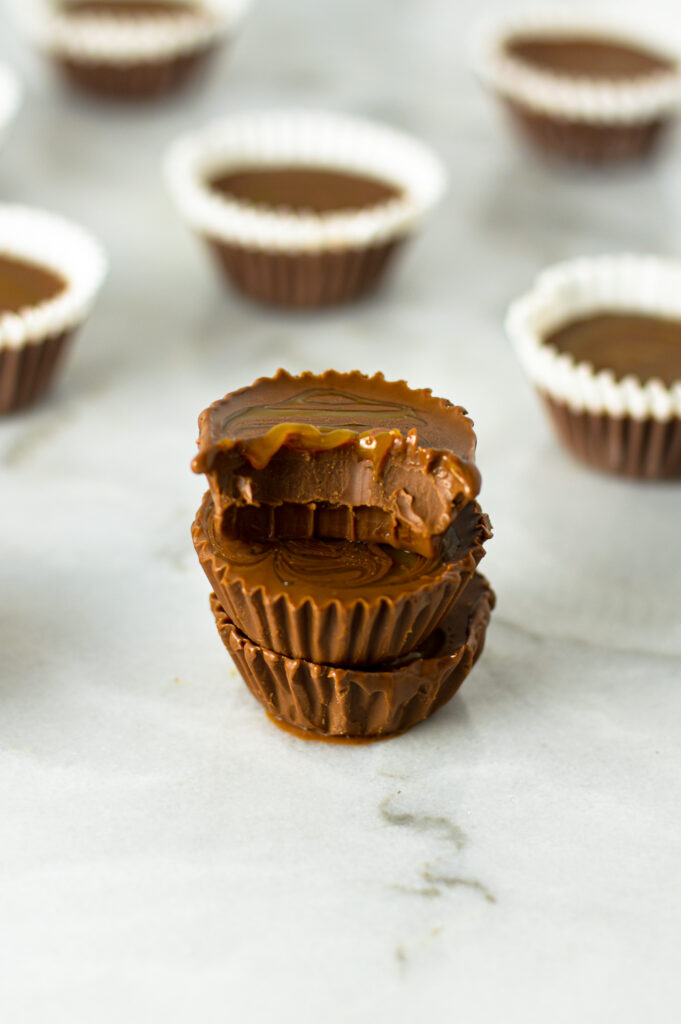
(320, 568)
(327, 410)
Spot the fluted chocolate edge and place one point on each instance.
(361, 632)
(349, 702)
(648, 449)
(586, 142)
(133, 81)
(27, 371)
(305, 280)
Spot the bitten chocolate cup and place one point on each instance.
(130, 49)
(586, 88)
(50, 274)
(303, 209)
(338, 455)
(337, 602)
(379, 702)
(600, 338)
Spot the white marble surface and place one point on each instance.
(166, 854)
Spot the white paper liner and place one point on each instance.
(302, 138)
(628, 283)
(124, 38)
(10, 99)
(633, 101)
(58, 245)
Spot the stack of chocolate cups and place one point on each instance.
(341, 537)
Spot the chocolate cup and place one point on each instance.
(647, 449)
(585, 142)
(27, 371)
(134, 81)
(341, 631)
(389, 464)
(383, 701)
(305, 280)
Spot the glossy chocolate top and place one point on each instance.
(24, 284)
(586, 57)
(626, 343)
(323, 570)
(131, 7)
(314, 189)
(329, 411)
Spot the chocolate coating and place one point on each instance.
(587, 57)
(24, 284)
(333, 601)
(379, 702)
(625, 343)
(315, 189)
(345, 441)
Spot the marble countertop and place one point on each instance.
(167, 854)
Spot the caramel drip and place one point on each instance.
(377, 420)
(331, 419)
(260, 450)
(24, 284)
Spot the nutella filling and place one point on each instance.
(314, 189)
(586, 57)
(625, 343)
(24, 284)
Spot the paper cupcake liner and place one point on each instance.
(305, 280)
(348, 632)
(643, 98)
(613, 424)
(127, 39)
(384, 701)
(10, 99)
(34, 341)
(301, 138)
